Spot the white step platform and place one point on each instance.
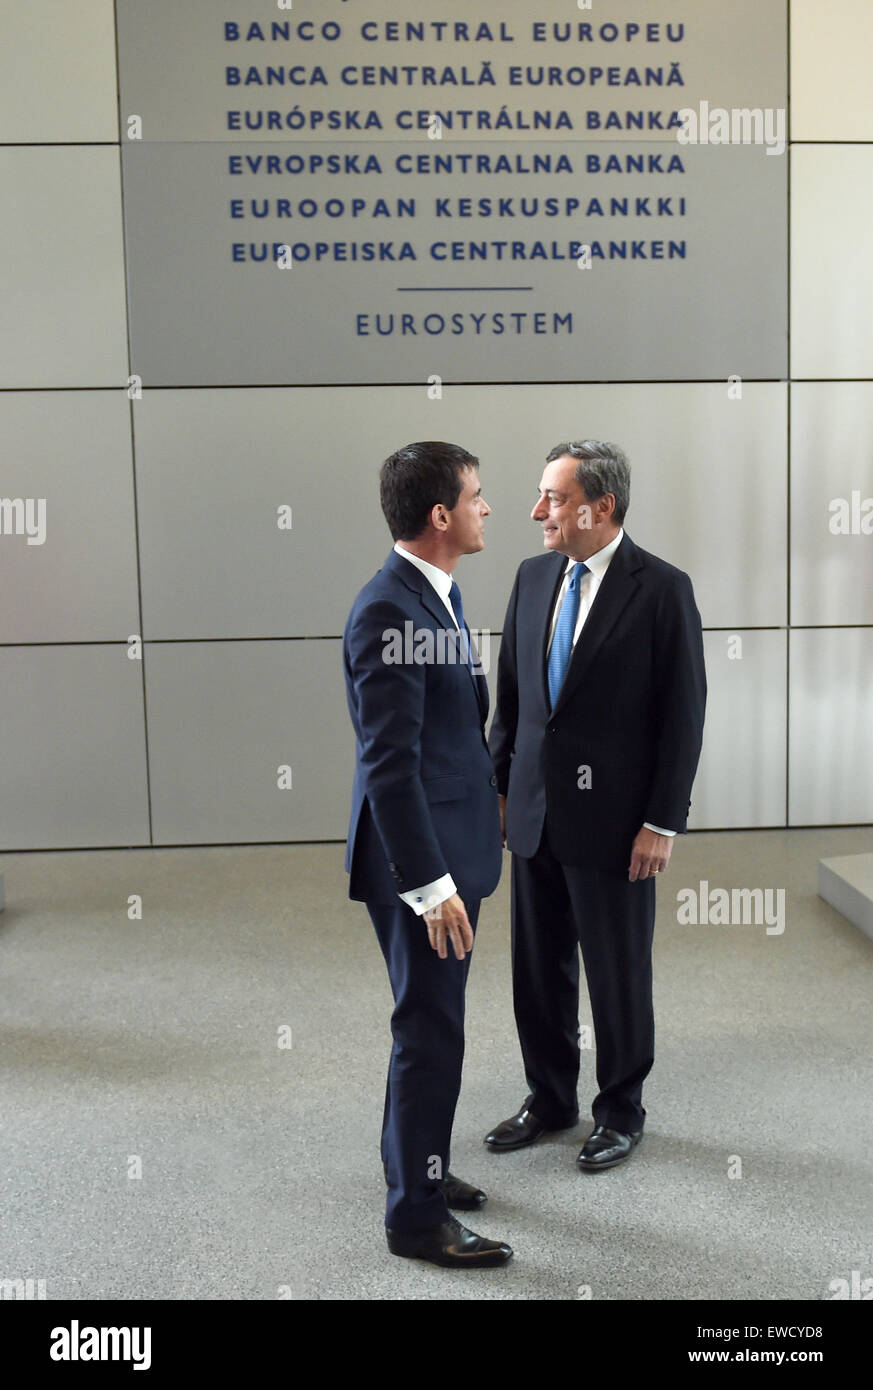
(847, 884)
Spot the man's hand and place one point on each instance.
(650, 854)
(502, 803)
(449, 921)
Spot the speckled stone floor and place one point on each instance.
(158, 1142)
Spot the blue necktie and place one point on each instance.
(465, 645)
(562, 642)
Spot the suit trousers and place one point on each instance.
(424, 1073)
(556, 910)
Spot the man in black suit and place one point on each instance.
(424, 843)
(601, 692)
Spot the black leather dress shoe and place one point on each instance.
(604, 1148)
(460, 1195)
(451, 1245)
(518, 1131)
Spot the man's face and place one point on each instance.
(563, 510)
(466, 529)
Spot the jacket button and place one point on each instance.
(494, 781)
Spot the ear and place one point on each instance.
(438, 517)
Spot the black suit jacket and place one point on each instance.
(622, 744)
(424, 800)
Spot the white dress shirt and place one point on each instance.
(598, 564)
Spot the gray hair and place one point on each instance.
(600, 468)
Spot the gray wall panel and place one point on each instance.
(170, 51)
(210, 306)
(831, 266)
(831, 729)
(70, 450)
(741, 778)
(72, 748)
(698, 236)
(830, 70)
(57, 72)
(62, 273)
(223, 716)
(708, 494)
(212, 469)
(831, 503)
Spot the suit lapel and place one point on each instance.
(479, 680)
(544, 601)
(415, 580)
(617, 588)
(430, 599)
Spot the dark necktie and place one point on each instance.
(465, 646)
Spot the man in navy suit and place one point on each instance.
(596, 737)
(424, 844)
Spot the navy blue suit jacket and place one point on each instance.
(424, 800)
(622, 743)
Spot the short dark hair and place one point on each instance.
(600, 468)
(415, 479)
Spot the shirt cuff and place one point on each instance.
(657, 829)
(428, 897)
